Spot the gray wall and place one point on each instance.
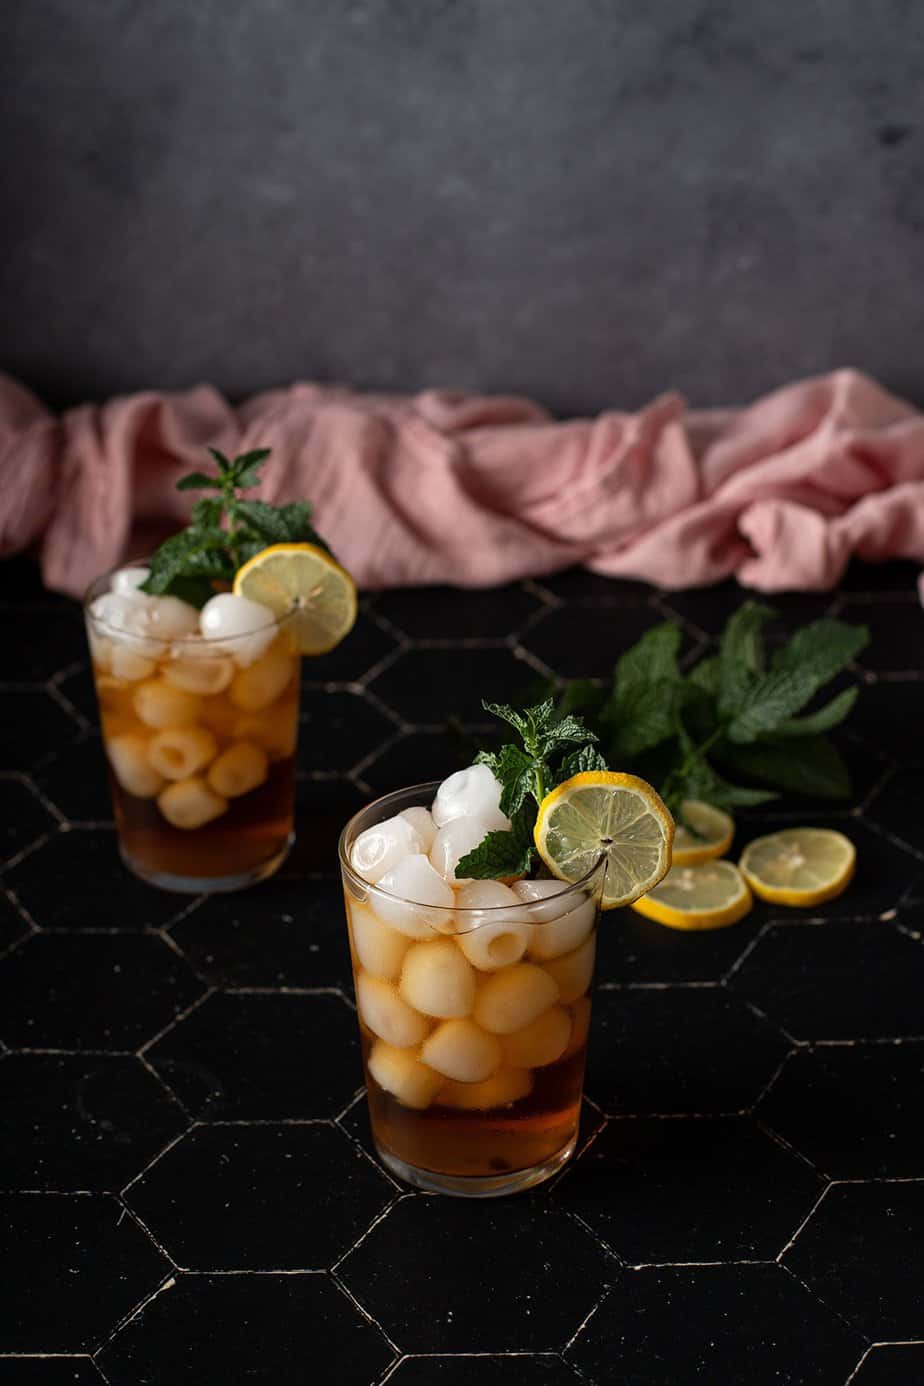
(587, 200)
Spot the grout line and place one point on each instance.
(166, 1284)
(379, 1217)
(390, 1371)
(373, 1323)
(854, 1328)
(804, 1223)
(175, 1021)
(586, 1320)
(146, 1064)
(156, 1159)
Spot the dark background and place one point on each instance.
(589, 201)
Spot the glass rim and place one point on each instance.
(430, 787)
(196, 640)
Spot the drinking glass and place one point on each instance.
(473, 1025)
(200, 739)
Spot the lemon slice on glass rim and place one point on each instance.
(710, 895)
(605, 813)
(799, 866)
(708, 835)
(304, 581)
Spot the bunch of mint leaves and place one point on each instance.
(225, 530)
(740, 712)
(551, 747)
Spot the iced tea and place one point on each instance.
(473, 1015)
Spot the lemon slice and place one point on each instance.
(304, 581)
(713, 831)
(799, 866)
(604, 813)
(708, 896)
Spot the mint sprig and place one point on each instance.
(550, 745)
(735, 712)
(225, 530)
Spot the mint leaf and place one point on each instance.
(578, 762)
(824, 719)
(193, 553)
(500, 854)
(563, 733)
(822, 648)
(770, 701)
(741, 655)
(641, 707)
(705, 675)
(206, 514)
(515, 770)
(198, 481)
(810, 765)
(507, 714)
(224, 465)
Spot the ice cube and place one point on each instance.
(417, 899)
(459, 1049)
(246, 627)
(561, 924)
(128, 580)
(540, 1042)
(507, 1086)
(471, 793)
(401, 1073)
(514, 998)
(573, 971)
(459, 837)
(379, 949)
(180, 752)
(379, 849)
(437, 980)
(238, 769)
(262, 681)
(170, 619)
(493, 936)
(159, 705)
(190, 804)
(421, 820)
(385, 1013)
(128, 756)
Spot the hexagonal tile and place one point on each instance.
(898, 1364)
(633, 949)
(91, 991)
(87, 1259)
(690, 1189)
(362, 649)
(701, 1325)
(81, 1122)
(586, 641)
(416, 758)
(42, 640)
(708, 608)
(428, 687)
(76, 687)
(897, 806)
(883, 716)
(12, 925)
(77, 782)
(23, 817)
(322, 807)
(339, 729)
(512, 1300)
(862, 1253)
(48, 1371)
(201, 1329)
(294, 936)
(31, 725)
(518, 1369)
(76, 880)
(686, 1049)
(897, 643)
(444, 613)
(260, 1197)
(836, 981)
(266, 1057)
(853, 1110)
(882, 869)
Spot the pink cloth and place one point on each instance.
(445, 487)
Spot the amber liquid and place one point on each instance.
(256, 826)
(475, 1143)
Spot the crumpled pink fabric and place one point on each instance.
(443, 487)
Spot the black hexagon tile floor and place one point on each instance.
(188, 1189)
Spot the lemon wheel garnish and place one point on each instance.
(303, 581)
(712, 834)
(602, 813)
(708, 896)
(799, 866)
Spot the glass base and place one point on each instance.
(208, 885)
(476, 1185)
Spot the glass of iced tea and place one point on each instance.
(473, 999)
(199, 734)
